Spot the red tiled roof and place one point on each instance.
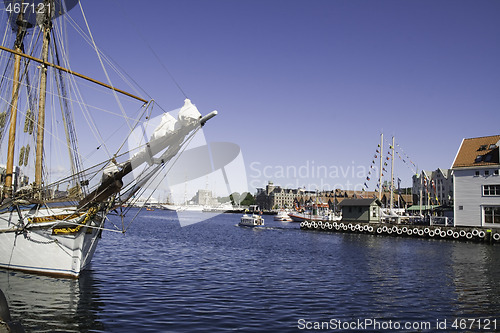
(478, 152)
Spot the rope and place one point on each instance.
(102, 64)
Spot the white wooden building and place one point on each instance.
(476, 182)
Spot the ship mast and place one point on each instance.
(22, 25)
(45, 12)
(392, 175)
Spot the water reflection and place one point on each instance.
(475, 279)
(47, 304)
(215, 276)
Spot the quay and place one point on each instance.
(475, 234)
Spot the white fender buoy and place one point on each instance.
(456, 234)
(404, 229)
(399, 231)
(442, 233)
(449, 232)
(420, 232)
(384, 228)
(496, 237)
(370, 228)
(426, 230)
(409, 232)
(431, 233)
(468, 235)
(379, 230)
(462, 233)
(481, 234)
(302, 224)
(475, 232)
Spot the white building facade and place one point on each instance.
(476, 183)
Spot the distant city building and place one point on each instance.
(205, 198)
(477, 182)
(436, 187)
(276, 197)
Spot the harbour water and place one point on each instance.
(214, 276)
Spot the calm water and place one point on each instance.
(214, 276)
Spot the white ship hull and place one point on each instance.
(61, 248)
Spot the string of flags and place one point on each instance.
(372, 169)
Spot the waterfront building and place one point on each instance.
(361, 210)
(436, 187)
(476, 182)
(276, 197)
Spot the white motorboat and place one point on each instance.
(253, 220)
(283, 216)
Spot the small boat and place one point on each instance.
(253, 220)
(300, 217)
(282, 216)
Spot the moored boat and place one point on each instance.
(53, 209)
(282, 216)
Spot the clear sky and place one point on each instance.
(305, 87)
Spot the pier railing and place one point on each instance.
(441, 220)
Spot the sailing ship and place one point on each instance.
(52, 217)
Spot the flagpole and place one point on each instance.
(392, 175)
(421, 188)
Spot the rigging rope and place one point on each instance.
(102, 64)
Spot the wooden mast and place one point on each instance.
(47, 25)
(381, 166)
(392, 175)
(21, 32)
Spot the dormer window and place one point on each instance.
(487, 158)
(478, 158)
(492, 146)
(482, 147)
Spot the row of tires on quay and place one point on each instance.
(458, 233)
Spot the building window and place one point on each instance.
(495, 172)
(460, 207)
(491, 190)
(492, 215)
(477, 174)
(486, 172)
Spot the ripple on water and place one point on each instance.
(215, 276)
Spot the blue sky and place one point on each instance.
(311, 84)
